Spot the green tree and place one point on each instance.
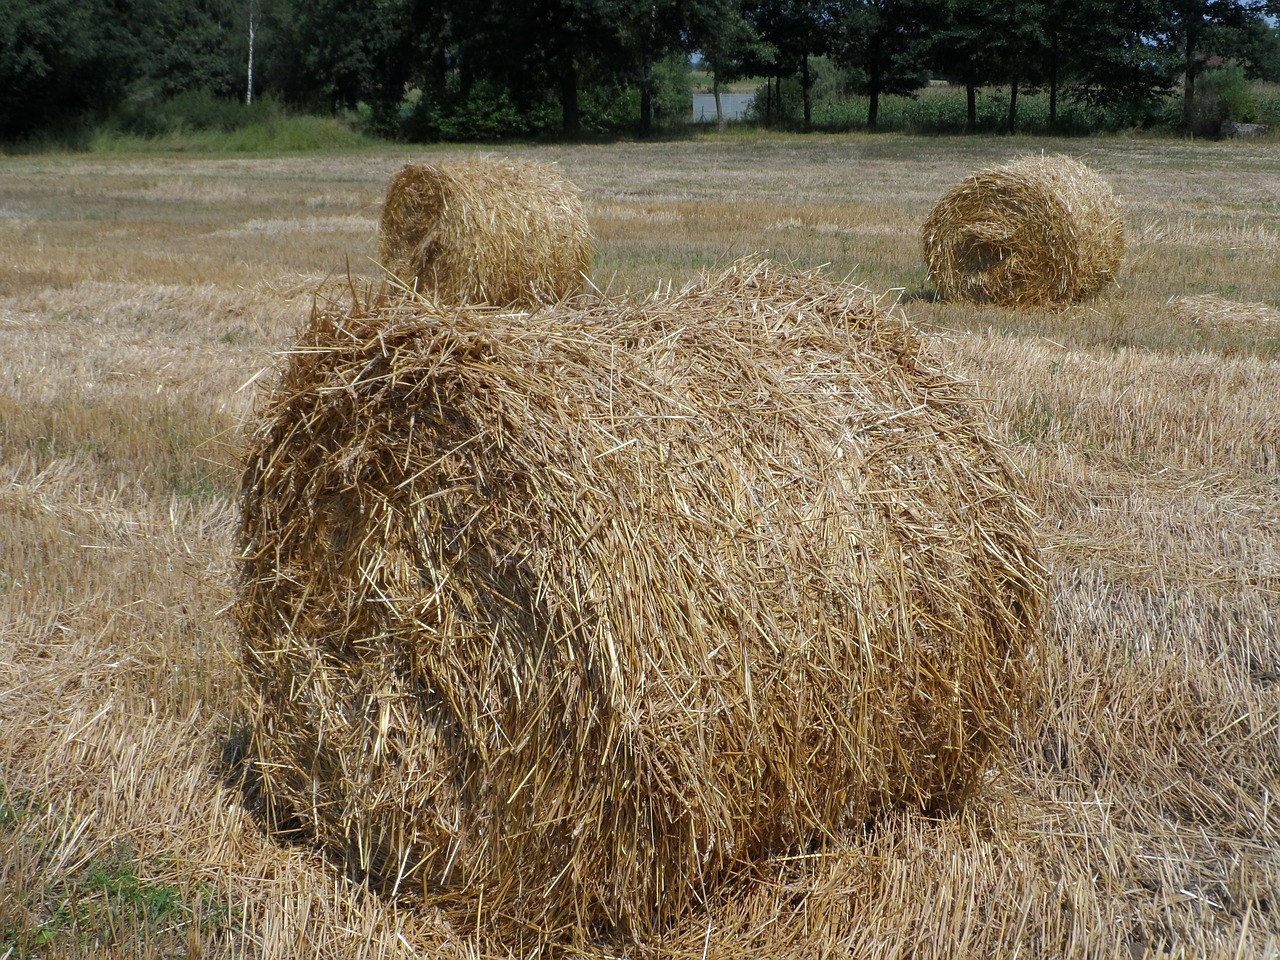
(648, 31)
(1021, 50)
(1257, 49)
(886, 45)
(525, 53)
(1194, 30)
(63, 60)
(988, 42)
(194, 46)
(1103, 52)
(795, 30)
(462, 42)
(971, 46)
(720, 31)
(337, 53)
(560, 46)
(561, 42)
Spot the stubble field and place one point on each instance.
(140, 296)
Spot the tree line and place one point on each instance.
(557, 65)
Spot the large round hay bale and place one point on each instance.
(1039, 230)
(485, 230)
(565, 617)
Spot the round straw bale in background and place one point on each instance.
(485, 229)
(1040, 230)
(565, 617)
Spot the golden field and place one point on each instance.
(142, 297)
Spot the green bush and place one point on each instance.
(484, 112)
(1266, 104)
(614, 108)
(144, 114)
(1221, 94)
(944, 110)
(488, 112)
(276, 134)
(286, 134)
(609, 109)
(775, 105)
(672, 92)
(827, 93)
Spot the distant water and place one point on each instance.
(734, 105)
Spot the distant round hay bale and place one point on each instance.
(562, 618)
(1039, 230)
(485, 230)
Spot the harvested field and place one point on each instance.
(1138, 814)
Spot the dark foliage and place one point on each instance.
(490, 69)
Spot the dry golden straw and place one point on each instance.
(1212, 312)
(563, 618)
(485, 229)
(1039, 230)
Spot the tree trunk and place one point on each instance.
(1053, 86)
(715, 92)
(1013, 105)
(1189, 79)
(646, 101)
(571, 120)
(248, 93)
(873, 89)
(971, 106)
(806, 82)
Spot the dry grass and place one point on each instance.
(485, 230)
(1139, 817)
(1039, 230)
